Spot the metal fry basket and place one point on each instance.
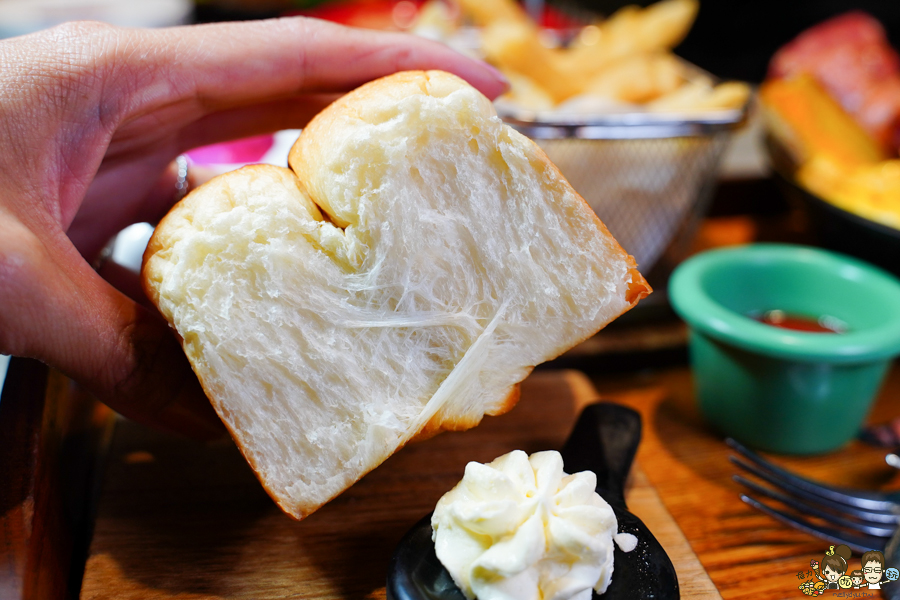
(648, 176)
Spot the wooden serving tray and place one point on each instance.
(177, 519)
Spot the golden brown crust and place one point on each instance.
(184, 209)
(638, 289)
(435, 426)
(396, 86)
(401, 85)
(237, 440)
(511, 400)
(318, 136)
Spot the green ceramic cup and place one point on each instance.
(775, 389)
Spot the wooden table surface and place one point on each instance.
(744, 553)
(178, 520)
(747, 554)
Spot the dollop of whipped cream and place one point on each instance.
(520, 528)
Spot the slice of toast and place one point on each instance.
(416, 263)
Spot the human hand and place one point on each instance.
(92, 117)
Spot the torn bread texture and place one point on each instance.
(409, 271)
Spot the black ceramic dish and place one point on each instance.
(604, 440)
(843, 231)
(833, 227)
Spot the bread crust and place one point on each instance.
(315, 140)
(323, 127)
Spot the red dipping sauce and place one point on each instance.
(779, 318)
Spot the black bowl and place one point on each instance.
(833, 227)
(843, 231)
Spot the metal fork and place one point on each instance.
(863, 520)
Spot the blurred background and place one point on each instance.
(671, 144)
(734, 39)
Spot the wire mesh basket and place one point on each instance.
(649, 177)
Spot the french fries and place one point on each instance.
(436, 20)
(700, 96)
(625, 59)
(638, 78)
(525, 93)
(632, 30)
(487, 12)
(515, 47)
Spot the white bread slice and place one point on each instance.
(453, 258)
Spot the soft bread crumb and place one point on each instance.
(409, 272)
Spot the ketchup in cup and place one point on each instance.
(794, 322)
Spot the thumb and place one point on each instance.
(58, 310)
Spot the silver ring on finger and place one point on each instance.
(182, 182)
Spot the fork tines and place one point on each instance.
(860, 519)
